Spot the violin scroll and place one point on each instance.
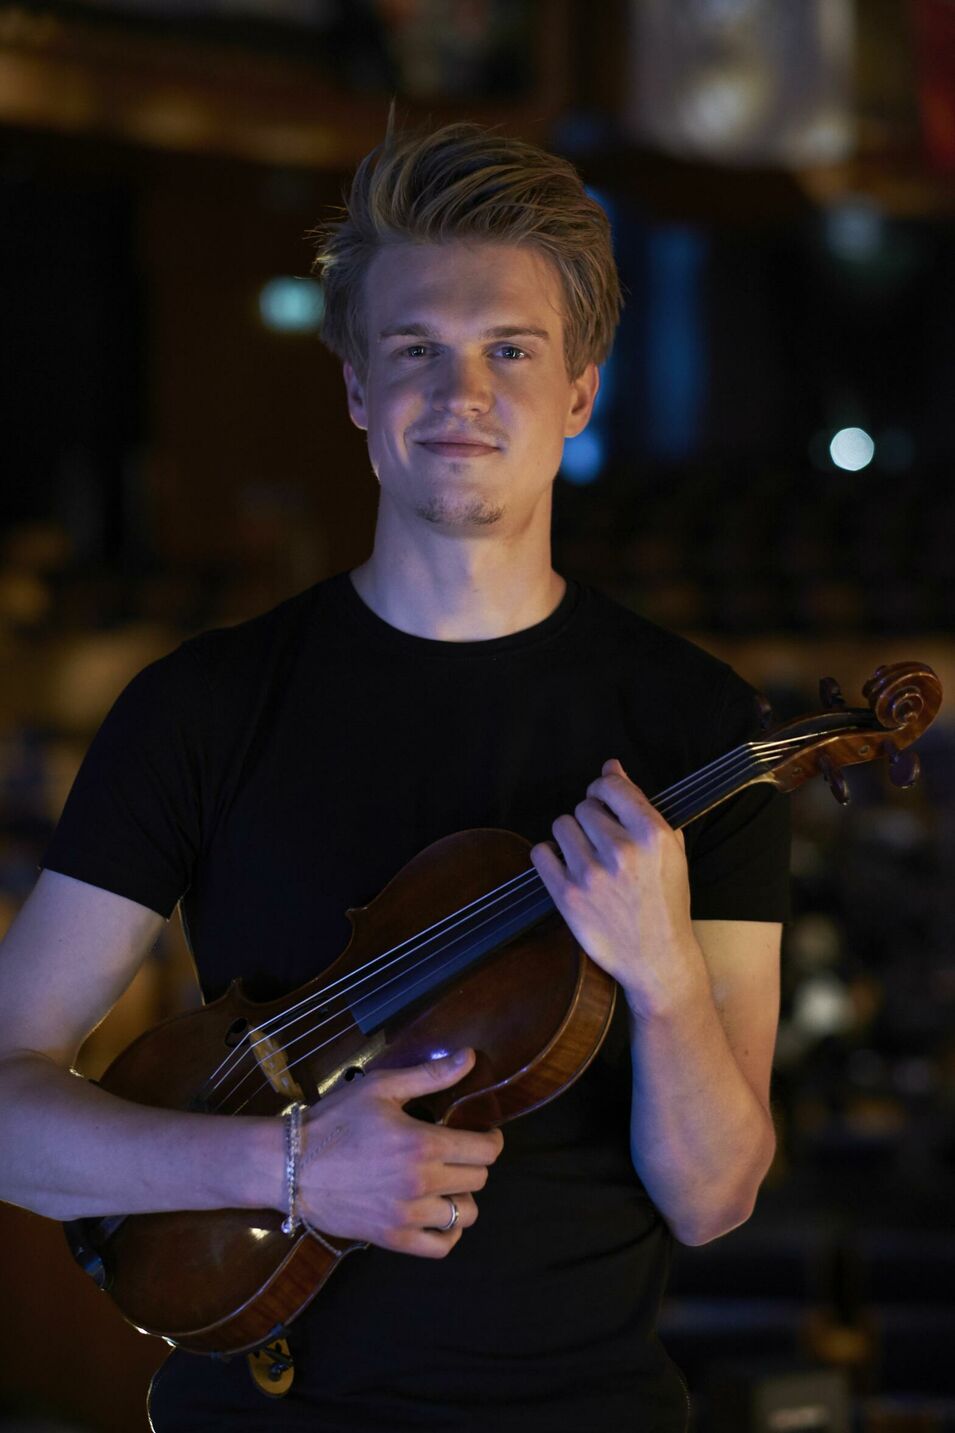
(903, 700)
(905, 696)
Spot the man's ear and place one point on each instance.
(355, 391)
(583, 395)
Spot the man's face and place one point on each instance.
(466, 399)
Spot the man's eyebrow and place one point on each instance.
(522, 330)
(424, 330)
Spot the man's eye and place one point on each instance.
(415, 349)
(510, 350)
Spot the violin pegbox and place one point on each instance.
(903, 700)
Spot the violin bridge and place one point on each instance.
(273, 1062)
(354, 1066)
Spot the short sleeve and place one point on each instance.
(738, 853)
(132, 823)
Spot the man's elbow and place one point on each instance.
(731, 1207)
(706, 1225)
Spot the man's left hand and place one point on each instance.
(623, 890)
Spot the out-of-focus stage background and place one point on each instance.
(769, 471)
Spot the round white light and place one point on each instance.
(822, 1006)
(852, 449)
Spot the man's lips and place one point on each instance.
(456, 448)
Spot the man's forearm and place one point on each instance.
(702, 1140)
(71, 1149)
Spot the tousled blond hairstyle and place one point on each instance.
(467, 182)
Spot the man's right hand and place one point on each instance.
(370, 1171)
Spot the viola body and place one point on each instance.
(223, 1281)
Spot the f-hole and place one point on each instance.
(235, 1032)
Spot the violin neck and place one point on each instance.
(510, 911)
(693, 796)
(714, 783)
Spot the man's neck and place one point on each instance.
(459, 600)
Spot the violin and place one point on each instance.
(492, 965)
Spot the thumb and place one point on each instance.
(415, 1080)
(612, 768)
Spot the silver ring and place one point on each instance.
(455, 1215)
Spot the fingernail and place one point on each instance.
(459, 1057)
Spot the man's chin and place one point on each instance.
(460, 516)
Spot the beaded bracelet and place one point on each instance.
(293, 1154)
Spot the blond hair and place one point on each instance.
(467, 182)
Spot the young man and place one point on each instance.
(270, 776)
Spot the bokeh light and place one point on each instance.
(290, 305)
(852, 449)
(583, 458)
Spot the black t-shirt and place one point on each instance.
(269, 776)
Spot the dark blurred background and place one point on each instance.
(768, 471)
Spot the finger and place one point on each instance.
(414, 1080)
(600, 825)
(466, 1178)
(459, 1148)
(425, 1243)
(627, 802)
(436, 1213)
(549, 866)
(574, 844)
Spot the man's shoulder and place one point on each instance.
(263, 637)
(224, 670)
(616, 625)
(672, 680)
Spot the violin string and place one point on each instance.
(712, 769)
(282, 1021)
(707, 772)
(530, 885)
(725, 775)
(520, 884)
(702, 781)
(310, 1054)
(759, 754)
(323, 992)
(435, 974)
(532, 889)
(693, 802)
(528, 882)
(761, 749)
(272, 1027)
(758, 750)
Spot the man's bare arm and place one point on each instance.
(701, 1130)
(370, 1171)
(70, 1148)
(703, 1001)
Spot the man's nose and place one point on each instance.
(462, 386)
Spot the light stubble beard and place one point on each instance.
(469, 512)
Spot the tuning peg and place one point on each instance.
(764, 711)
(871, 686)
(835, 780)
(905, 768)
(830, 694)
